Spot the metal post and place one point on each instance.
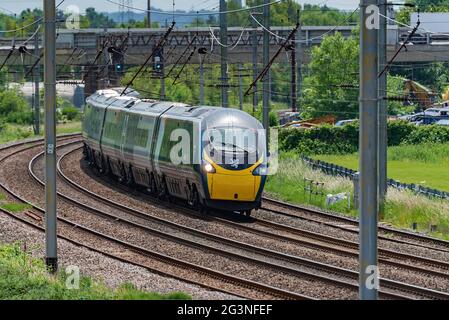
(383, 108)
(50, 134)
(254, 58)
(266, 60)
(36, 99)
(293, 84)
(298, 67)
(240, 66)
(148, 13)
(368, 152)
(224, 54)
(201, 81)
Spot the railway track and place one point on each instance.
(128, 251)
(252, 286)
(329, 280)
(267, 253)
(351, 225)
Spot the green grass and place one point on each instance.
(15, 207)
(402, 208)
(23, 277)
(426, 164)
(12, 132)
(2, 197)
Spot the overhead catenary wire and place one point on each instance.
(158, 46)
(268, 66)
(230, 46)
(303, 41)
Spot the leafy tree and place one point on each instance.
(331, 86)
(404, 13)
(98, 20)
(14, 108)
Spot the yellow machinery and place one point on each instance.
(420, 94)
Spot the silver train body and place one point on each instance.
(135, 140)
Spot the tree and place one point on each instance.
(404, 13)
(331, 86)
(98, 20)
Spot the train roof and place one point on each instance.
(214, 116)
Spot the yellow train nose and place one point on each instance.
(236, 187)
(233, 185)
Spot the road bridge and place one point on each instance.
(424, 47)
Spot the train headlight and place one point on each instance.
(208, 167)
(261, 170)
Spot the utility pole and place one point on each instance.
(224, 53)
(240, 67)
(293, 86)
(299, 65)
(50, 135)
(37, 72)
(266, 61)
(368, 281)
(201, 80)
(149, 13)
(255, 60)
(383, 107)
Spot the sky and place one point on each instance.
(103, 5)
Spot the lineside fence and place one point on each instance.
(335, 170)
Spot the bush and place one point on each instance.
(21, 117)
(14, 108)
(71, 113)
(322, 140)
(342, 140)
(274, 120)
(427, 134)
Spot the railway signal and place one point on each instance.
(119, 68)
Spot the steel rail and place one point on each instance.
(354, 222)
(285, 257)
(243, 283)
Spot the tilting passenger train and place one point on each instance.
(208, 156)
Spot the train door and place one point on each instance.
(123, 137)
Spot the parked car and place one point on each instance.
(444, 122)
(437, 112)
(341, 123)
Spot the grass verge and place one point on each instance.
(425, 164)
(23, 277)
(402, 208)
(12, 132)
(15, 207)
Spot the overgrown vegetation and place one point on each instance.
(15, 207)
(402, 209)
(344, 140)
(13, 132)
(23, 277)
(14, 108)
(17, 116)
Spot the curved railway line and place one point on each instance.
(260, 259)
(287, 265)
(351, 225)
(267, 253)
(137, 255)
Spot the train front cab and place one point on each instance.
(235, 175)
